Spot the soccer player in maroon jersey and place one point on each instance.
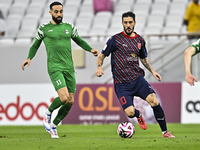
(126, 48)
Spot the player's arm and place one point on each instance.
(99, 71)
(33, 49)
(84, 45)
(146, 63)
(191, 51)
(109, 47)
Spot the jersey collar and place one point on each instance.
(129, 36)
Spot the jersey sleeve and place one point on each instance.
(74, 32)
(78, 40)
(109, 47)
(196, 45)
(36, 44)
(83, 44)
(143, 51)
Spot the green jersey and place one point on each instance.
(196, 45)
(57, 40)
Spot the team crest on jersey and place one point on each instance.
(139, 45)
(66, 31)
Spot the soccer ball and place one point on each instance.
(126, 130)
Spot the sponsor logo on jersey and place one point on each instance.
(66, 31)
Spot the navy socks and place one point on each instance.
(160, 117)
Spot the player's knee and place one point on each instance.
(70, 101)
(130, 111)
(130, 114)
(64, 99)
(154, 103)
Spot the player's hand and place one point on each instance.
(95, 52)
(27, 61)
(157, 76)
(99, 72)
(190, 79)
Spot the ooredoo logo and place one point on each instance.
(20, 110)
(193, 106)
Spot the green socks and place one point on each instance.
(55, 104)
(63, 111)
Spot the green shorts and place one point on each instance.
(62, 79)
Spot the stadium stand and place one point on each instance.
(86, 10)
(155, 21)
(149, 2)
(165, 2)
(174, 21)
(152, 17)
(83, 28)
(163, 14)
(159, 9)
(140, 8)
(176, 7)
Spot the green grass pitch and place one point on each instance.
(99, 137)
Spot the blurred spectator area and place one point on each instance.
(162, 17)
(23, 17)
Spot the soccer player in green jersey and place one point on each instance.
(57, 36)
(189, 52)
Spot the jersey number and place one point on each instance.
(123, 100)
(58, 82)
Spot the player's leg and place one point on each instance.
(47, 112)
(62, 112)
(58, 82)
(125, 92)
(158, 111)
(66, 94)
(159, 114)
(132, 112)
(147, 93)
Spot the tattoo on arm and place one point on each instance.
(100, 60)
(146, 63)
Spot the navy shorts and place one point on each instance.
(126, 91)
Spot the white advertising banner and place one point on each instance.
(23, 104)
(190, 104)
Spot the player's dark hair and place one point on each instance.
(54, 3)
(128, 14)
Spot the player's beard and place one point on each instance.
(56, 20)
(128, 33)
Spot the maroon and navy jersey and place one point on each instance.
(125, 53)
